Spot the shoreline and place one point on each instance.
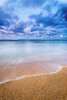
(21, 77)
(43, 87)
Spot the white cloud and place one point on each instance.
(28, 28)
(63, 1)
(2, 2)
(61, 36)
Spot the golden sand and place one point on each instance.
(44, 87)
(16, 70)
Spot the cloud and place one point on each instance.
(32, 3)
(63, 1)
(64, 12)
(2, 2)
(46, 21)
(6, 18)
(33, 18)
(18, 27)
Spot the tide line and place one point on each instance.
(21, 77)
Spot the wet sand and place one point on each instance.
(13, 71)
(44, 87)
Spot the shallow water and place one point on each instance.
(20, 51)
(52, 53)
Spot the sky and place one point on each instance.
(33, 19)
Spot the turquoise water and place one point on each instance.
(12, 52)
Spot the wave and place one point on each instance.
(21, 77)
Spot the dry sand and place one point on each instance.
(44, 87)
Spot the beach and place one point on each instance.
(33, 49)
(33, 70)
(16, 71)
(42, 87)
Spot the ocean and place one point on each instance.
(52, 53)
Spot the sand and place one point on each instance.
(11, 71)
(43, 87)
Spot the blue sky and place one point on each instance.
(33, 19)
